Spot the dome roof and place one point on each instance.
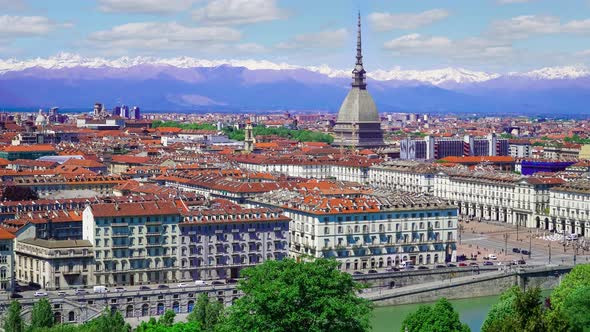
(40, 120)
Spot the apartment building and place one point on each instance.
(368, 231)
(403, 175)
(55, 264)
(134, 243)
(6, 261)
(218, 240)
(569, 210)
(493, 195)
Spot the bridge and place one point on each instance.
(485, 283)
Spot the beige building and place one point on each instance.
(135, 243)
(6, 261)
(55, 264)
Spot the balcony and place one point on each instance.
(119, 224)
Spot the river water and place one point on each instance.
(472, 311)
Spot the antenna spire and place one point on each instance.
(359, 72)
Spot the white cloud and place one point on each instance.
(27, 26)
(144, 6)
(406, 21)
(522, 27)
(417, 43)
(14, 5)
(458, 51)
(156, 36)
(323, 39)
(236, 12)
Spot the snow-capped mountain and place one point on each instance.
(437, 77)
(185, 83)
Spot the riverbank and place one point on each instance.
(472, 311)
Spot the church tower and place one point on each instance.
(249, 138)
(358, 123)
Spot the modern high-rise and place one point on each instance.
(358, 123)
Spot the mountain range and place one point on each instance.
(189, 84)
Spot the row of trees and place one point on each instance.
(238, 134)
(297, 135)
(188, 126)
(566, 310)
(280, 296)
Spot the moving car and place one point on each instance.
(144, 288)
(487, 263)
(200, 283)
(163, 287)
(492, 256)
(182, 285)
(373, 271)
(40, 294)
(462, 264)
(516, 250)
(422, 267)
(525, 252)
(61, 293)
(81, 292)
(100, 289)
(119, 289)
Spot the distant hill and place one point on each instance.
(187, 84)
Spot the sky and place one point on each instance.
(487, 35)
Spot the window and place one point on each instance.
(326, 230)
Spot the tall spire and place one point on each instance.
(359, 72)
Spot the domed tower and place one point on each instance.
(41, 120)
(358, 123)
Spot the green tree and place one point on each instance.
(440, 317)
(109, 321)
(42, 315)
(290, 296)
(501, 310)
(206, 312)
(579, 276)
(167, 319)
(517, 311)
(13, 322)
(576, 307)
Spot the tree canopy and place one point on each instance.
(206, 312)
(188, 126)
(440, 317)
(42, 315)
(290, 296)
(13, 322)
(17, 193)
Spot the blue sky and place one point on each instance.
(489, 35)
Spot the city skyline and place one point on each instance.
(497, 36)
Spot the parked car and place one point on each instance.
(40, 294)
(357, 273)
(487, 263)
(230, 281)
(119, 289)
(182, 285)
(462, 264)
(525, 252)
(392, 269)
(521, 262)
(492, 256)
(200, 283)
(448, 265)
(144, 288)
(473, 264)
(516, 250)
(422, 267)
(61, 293)
(163, 287)
(372, 271)
(218, 282)
(16, 296)
(440, 266)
